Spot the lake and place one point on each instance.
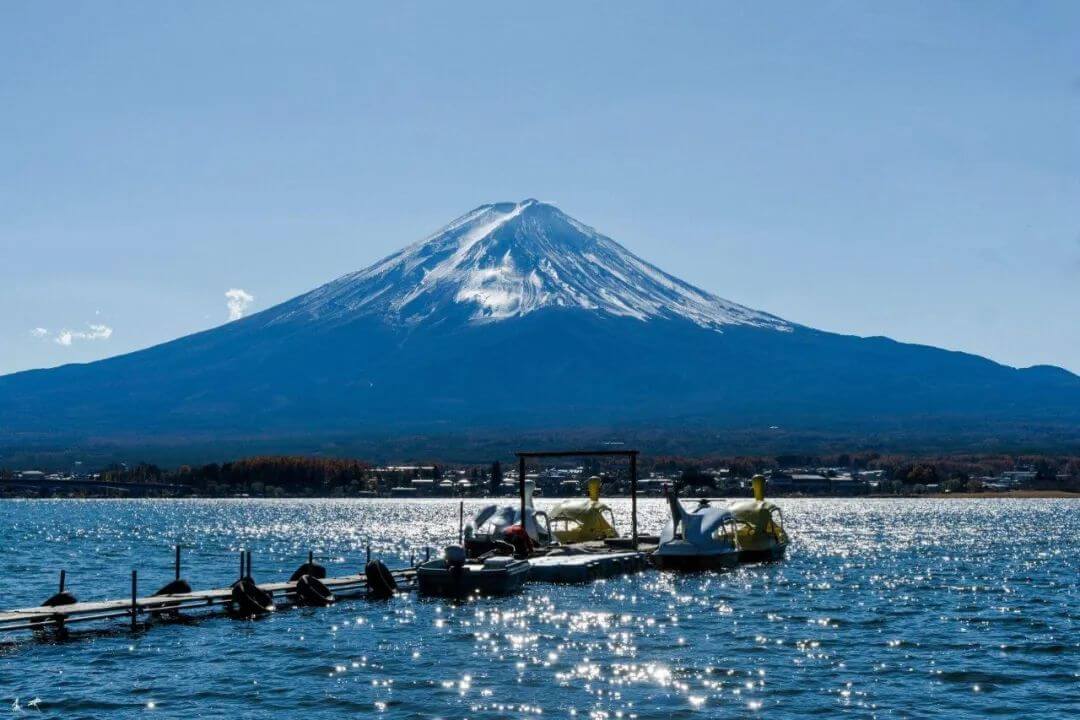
(884, 608)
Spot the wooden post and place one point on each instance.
(369, 553)
(134, 594)
(633, 499)
(248, 563)
(241, 564)
(461, 522)
(427, 553)
(521, 489)
(177, 561)
(310, 557)
(63, 576)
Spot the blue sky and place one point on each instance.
(902, 169)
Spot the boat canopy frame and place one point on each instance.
(631, 455)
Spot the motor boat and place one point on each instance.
(455, 575)
(759, 524)
(583, 519)
(497, 526)
(699, 539)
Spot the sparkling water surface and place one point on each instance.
(884, 608)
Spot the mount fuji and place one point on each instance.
(517, 317)
(508, 260)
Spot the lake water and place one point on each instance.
(884, 608)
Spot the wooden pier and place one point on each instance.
(578, 567)
(43, 617)
(578, 563)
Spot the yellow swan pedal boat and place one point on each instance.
(760, 534)
(583, 519)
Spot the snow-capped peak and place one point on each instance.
(507, 260)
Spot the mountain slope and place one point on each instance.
(517, 316)
(508, 260)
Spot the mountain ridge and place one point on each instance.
(509, 259)
(516, 315)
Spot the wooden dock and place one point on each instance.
(42, 617)
(579, 563)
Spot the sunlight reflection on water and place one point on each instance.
(883, 608)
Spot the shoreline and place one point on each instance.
(1017, 494)
(993, 495)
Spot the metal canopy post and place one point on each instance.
(633, 499)
(521, 488)
(631, 455)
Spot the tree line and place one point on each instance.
(292, 476)
(264, 475)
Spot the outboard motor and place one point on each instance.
(62, 597)
(312, 592)
(380, 581)
(454, 556)
(249, 600)
(311, 568)
(177, 586)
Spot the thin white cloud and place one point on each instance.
(66, 337)
(238, 301)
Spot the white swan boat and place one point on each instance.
(497, 526)
(698, 539)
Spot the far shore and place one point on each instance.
(1020, 494)
(1014, 494)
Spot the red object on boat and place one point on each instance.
(516, 536)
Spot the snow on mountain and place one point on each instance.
(507, 260)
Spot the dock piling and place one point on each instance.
(368, 553)
(248, 563)
(521, 490)
(134, 596)
(311, 557)
(461, 522)
(177, 563)
(633, 499)
(63, 576)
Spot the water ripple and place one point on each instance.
(885, 608)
